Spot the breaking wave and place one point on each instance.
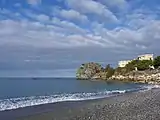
(14, 103)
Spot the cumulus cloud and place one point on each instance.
(39, 35)
(92, 7)
(140, 18)
(34, 2)
(69, 26)
(73, 15)
(63, 34)
(42, 17)
(121, 4)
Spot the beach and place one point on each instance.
(144, 105)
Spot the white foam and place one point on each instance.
(149, 87)
(14, 103)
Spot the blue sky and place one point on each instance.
(61, 34)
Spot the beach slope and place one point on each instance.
(130, 106)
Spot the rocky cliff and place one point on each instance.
(93, 70)
(88, 71)
(147, 76)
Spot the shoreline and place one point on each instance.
(124, 106)
(13, 103)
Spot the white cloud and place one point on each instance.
(66, 34)
(43, 36)
(69, 26)
(122, 4)
(17, 5)
(34, 2)
(43, 18)
(144, 37)
(39, 17)
(139, 31)
(140, 18)
(73, 15)
(37, 34)
(92, 7)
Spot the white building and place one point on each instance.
(145, 57)
(123, 63)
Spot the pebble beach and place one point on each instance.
(144, 105)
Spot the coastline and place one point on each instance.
(129, 106)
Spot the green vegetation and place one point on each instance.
(109, 71)
(144, 64)
(131, 66)
(156, 62)
(140, 64)
(120, 71)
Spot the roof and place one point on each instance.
(145, 55)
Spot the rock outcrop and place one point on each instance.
(91, 70)
(88, 71)
(148, 76)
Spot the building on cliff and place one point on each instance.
(123, 63)
(140, 57)
(145, 57)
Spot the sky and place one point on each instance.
(60, 35)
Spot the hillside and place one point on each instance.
(146, 71)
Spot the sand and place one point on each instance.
(130, 106)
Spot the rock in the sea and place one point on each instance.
(88, 71)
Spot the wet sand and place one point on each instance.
(129, 106)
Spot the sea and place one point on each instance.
(19, 92)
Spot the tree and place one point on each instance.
(144, 64)
(156, 62)
(131, 65)
(107, 67)
(140, 64)
(110, 72)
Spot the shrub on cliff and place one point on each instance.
(140, 64)
(144, 64)
(156, 62)
(109, 71)
(120, 71)
(131, 65)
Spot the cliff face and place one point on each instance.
(101, 76)
(88, 71)
(148, 76)
(94, 71)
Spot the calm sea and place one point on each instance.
(22, 92)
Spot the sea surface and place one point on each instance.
(21, 92)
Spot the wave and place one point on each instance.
(149, 87)
(14, 103)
